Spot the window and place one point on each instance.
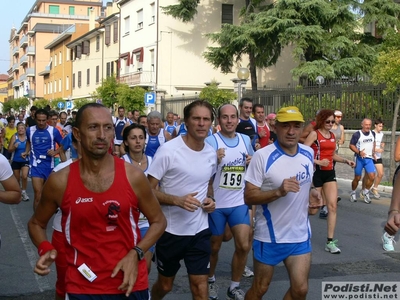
(107, 39)
(70, 54)
(89, 10)
(44, 89)
(97, 74)
(126, 64)
(79, 79)
(60, 58)
(54, 9)
(72, 10)
(67, 83)
(127, 25)
(98, 43)
(108, 70)
(60, 85)
(139, 63)
(86, 47)
(55, 60)
(88, 76)
(140, 19)
(227, 14)
(115, 25)
(78, 51)
(112, 68)
(153, 13)
(51, 87)
(73, 80)
(152, 59)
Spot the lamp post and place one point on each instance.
(242, 77)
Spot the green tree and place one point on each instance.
(41, 103)
(327, 37)
(112, 92)
(387, 70)
(7, 106)
(54, 103)
(78, 103)
(216, 96)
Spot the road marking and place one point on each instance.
(42, 281)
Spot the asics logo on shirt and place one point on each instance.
(83, 200)
(368, 140)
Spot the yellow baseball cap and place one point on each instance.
(289, 114)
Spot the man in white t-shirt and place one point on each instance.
(11, 192)
(234, 152)
(278, 182)
(182, 169)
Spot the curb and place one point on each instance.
(381, 188)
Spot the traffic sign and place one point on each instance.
(70, 104)
(150, 98)
(60, 105)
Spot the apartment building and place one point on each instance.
(57, 74)
(42, 24)
(95, 54)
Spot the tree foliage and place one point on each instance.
(327, 36)
(78, 103)
(41, 103)
(215, 96)
(387, 71)
(15, 104)
(112, 92)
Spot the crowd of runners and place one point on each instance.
(125, 190)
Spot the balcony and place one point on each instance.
(15, 67)
(15, 83)
(23, 42)
(30, 72)
(22, 78)
(46, 70)
(23, 60)
(15, 51)
(31, 50)
(143, 78)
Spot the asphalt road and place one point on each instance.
(359, 231)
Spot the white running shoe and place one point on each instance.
(365, 197)
(247, 272)
(353, 197)
(388, 241)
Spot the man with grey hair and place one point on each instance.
(156, 134)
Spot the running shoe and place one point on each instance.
(247, 272)
(353, 197)
(323, 214)
(332, 247)
(212, 290)
(365, 197)
(24, 196)
(374, 192)
(236, 294)
(388, 241)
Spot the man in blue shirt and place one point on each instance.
(41, 140)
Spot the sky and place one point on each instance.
(13, 14)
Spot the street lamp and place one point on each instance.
(242, 77)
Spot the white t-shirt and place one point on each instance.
(5, 168)
(284, 220)
(58, 216)
(182, 171)
(378, 141)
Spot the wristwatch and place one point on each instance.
(139, 252)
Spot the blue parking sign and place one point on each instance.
(149, 98)
(70, 105)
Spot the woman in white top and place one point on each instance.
(134, 137)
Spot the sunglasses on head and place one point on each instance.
(339, 117)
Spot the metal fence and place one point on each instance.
(356, 100)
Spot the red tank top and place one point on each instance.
(324, 148)
(264, 141)
(100, 229)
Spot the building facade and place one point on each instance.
(42, 24)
